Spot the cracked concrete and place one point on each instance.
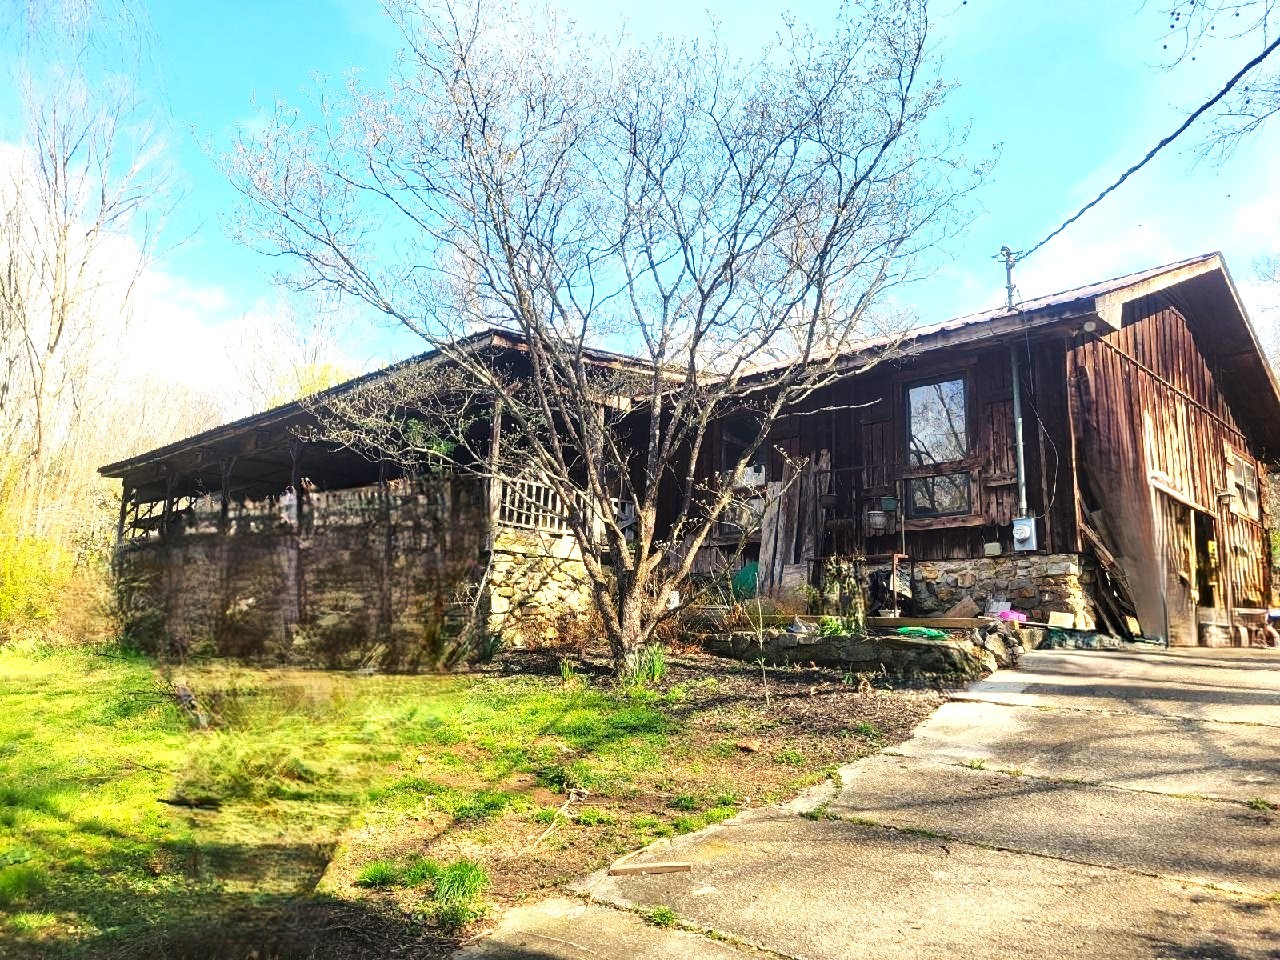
(1130, 834)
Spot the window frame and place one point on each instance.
(1246, 496)
(961, 466)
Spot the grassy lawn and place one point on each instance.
(336, 814)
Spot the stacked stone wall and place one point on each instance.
(375, 576)
(1034, 584)
(537, 585)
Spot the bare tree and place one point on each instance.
(80, 205)
(291, 349)
(735, 225)
(1247, 25)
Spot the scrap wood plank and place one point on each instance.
(631, 869)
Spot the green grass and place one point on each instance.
(1259, 803)
(380, 873)
(458, 897)
(296, 763)
(90, 743)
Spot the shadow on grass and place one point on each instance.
(212, 925)
(189, 909)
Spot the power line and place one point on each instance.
(1207, 105)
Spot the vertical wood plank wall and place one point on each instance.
(1151, 408)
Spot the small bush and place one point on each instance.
(683, 801)
(380, 873)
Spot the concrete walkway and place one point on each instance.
(1090, 804)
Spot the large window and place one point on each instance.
(938, 436)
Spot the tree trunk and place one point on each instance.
(631, 630)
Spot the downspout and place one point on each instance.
(1017, 430)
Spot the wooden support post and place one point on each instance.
(125, 495)
(166, 516)
(224, 517)
(493, 488)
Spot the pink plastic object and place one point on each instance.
(1017, 615)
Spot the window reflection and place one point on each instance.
(938, 432)
(938, 496)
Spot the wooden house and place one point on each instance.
(1094, 458)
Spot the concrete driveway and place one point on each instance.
(1090, 804)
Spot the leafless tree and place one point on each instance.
(1248, 26)
(734, 224)
(290, 349)
(80, 204)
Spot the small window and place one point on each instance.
(945, 495)
(1242, 481)
(937, 423)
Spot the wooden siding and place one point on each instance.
(1153, 434)
(1126, 437)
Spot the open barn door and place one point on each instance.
(1176, 541)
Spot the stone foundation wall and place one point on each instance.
(537, 584)
(376, 576)
(1034, 584)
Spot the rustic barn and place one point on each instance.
(1092, 458)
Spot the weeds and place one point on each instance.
(593, 817)
(663, 917)
(295, 758)
(380, 873)
(1259, 803)
(651, 666)
(19, 883)
(791, 757)
(458, 897)
(976, 764)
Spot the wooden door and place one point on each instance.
(1175, 531)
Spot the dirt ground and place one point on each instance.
(738, 748)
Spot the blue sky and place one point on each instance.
(1073, 92)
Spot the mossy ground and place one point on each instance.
(304, 778)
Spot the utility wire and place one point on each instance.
(1270, 49)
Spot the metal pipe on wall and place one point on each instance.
(1017, 430)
